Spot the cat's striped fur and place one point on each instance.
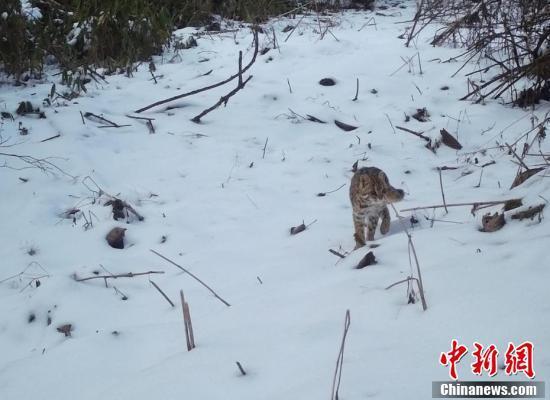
(370, 192)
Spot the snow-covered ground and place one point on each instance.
(217, 205)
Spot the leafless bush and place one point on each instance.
(509, 40)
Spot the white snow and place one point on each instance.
(228, 222)
(32, 13)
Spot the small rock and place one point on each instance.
(327, 82)
(115, 238)
(369, 259)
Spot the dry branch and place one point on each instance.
(412, 248)
(97, 118)
(265, 147)
(98, 191)
(162, 293)
(43, 164)
(243, 372)
(180, 96)
(300, 228)
(516, 156)
(340, 359)
(223, 100)
(336, 253)
(115, 276)
(416, 18)
(512, 43)
(442, 192)
(406, 280)
(323, 194)
(148, 122)
(419, 134)
(356, 91)
(294, 28)
(50, 138)
(189, 335)
(193, 276)
(474, 204)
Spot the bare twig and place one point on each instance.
(50, 138)
(419, 134)
(409, 278)
(474, 204)
(162, 293)
(339, 361)
(243, 372)
(180, 96)
(391, 124)
(442, 192)
(193, 276)
(416, 19)
(356, 90)
(23, 273)
(98, 191)
(516, 156)
(412, 248)
(142, 118)
(189, 335)
(98, 118)
(43, 164)
(322, 194)
(294, 28)
(337, 253)
(223, 100)
(116, 276)
(265, 147)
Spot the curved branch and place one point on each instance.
(180, 96)
(40, 163)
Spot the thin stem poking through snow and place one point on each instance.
(162, 293)
(442, 191)
(411, 248)
(340, 360)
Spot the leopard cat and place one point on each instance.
(370, 192)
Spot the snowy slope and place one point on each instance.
(228, 222)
